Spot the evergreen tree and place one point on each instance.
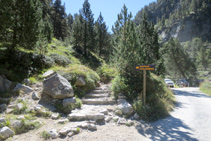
(59, 20)
(76, 32)
(177, 61)
(23, 24)
(88, 27)
(101, 34)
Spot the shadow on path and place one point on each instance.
(169, 128)
(191, 93)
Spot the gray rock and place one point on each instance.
(122, 121)
(136, 116)
(5, 84)
(58, 87)
(69, 101)
(35, 96)
(53, 133)
(26, 81)
(48, 74)
(70, 134)
(80, 82)
(16, 124)
(99, 117)
(3, 107)
(85, 125)
(125, 107)
(20, 117)
(118, 112)
(9, 110)
(62, 121)
(23, 88)
(6, 132)
(64, 131)
(76, 117)
(37, 108)
(19, 106)
(92, 127)
(107, 119)
(104, 111)
(55, 116)
(2, 121)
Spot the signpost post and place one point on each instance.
(144, 68)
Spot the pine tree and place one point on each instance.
(59, 20)
(88, 27)
(76, 32)
(101, 34)
(23, 23)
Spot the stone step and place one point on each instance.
(99, 101)
(98, 88)
(96, 95)
(100, 91)
(86, 116)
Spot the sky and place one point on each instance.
(108, 8)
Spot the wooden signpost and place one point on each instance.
(144, 68)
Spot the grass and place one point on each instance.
(45, 135)
(106, 72)
(206, 88)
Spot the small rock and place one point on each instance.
(20, 117)
(118, 112)
(62, 121)
(92, 127)
(64, 131)
(85, 125)
(55, 116)
(6, 132)
(122, 121)
(130, 122)
(26, 81)
(16, 124)
(35, 96)
(3, 107)
(19, 106)
(53, 133)
(69, 101)
(75, 130)
(115, 118)
(37, 108)
(104, 111)
(125, 107)
(136, 116)
(77, 117)
(80, 81)
(110, 109)
(9, 110)
(107, 119)
(99, 117)
(70, 134)
(2, 121)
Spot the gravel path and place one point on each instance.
(190, 120)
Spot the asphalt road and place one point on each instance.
(190, 120)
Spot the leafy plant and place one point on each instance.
(45, 135)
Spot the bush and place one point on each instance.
(206, 88)
(73, 72)
(159, 100)
(118, 86)
(106, 73)
(23, 110)
(45, 135)
(60, 60)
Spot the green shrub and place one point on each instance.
(78, 103)
(60, 60)
(118, 86)
(106, 73)
(206, 88)
(73, 72)
(23, 110)
(45, 135)
(32, 80)
(27, 125)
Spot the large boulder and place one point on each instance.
(125, 107)
(5, 133)
(5, 84)
(58, 87)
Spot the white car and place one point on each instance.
(169, 83)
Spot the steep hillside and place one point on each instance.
(183, 20)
